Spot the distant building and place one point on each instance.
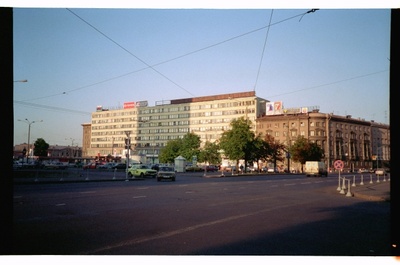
(54, 152)
(151, 127)
(359, 143)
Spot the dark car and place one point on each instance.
(119, 166)
(211, 168)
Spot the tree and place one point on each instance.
(190, 146)
(40, 147)
(303, 150)
(170, 151)
(186, 147)
(210, 153)
(261, 150)
(277, 150)
(237, 142)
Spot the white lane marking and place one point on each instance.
(60, 204)
(182, 230)
(289, 184)
(87, 192)
(143, 188)
(305, 183)
(138, 197)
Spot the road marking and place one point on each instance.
(138, 197)
(143, 188)
(187, 229)
(289, 184)
(60, 204)
(305, 183)
(87, 192)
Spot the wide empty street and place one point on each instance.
(197, 215)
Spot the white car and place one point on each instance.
(165, 172)
(380, 172)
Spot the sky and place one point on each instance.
(76, 58)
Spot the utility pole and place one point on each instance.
(128, 148)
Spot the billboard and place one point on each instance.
(132, 104)
(129, 105)
(274, 108)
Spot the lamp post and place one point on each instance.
(29, 135)
(128, 148)
(71, 152)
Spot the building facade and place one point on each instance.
(358, 143)
(149, 128)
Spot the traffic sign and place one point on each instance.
(338, 164)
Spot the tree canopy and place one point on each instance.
(303, 150)
(41, 147)
(187, 147)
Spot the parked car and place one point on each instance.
(91, 165)
(119, 166)
(380, 172)
(191, 168)
(165, 172)
(211, 168)
(272, 170)
(106, 166)
(55, 165)
(17, 165)
(141, 171)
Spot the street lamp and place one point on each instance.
(29, 135)
(128, 148)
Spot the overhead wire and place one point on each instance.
(263, 51)
(169, 60)
(129, 52)
(272, 96)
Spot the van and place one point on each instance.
(315, 168)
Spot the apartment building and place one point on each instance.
(149, 128)
(358, 143)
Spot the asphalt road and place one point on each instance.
(252, 215)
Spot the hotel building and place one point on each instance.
(151, 127)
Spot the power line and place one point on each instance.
(328, 84)
(33, 105)
(262, 54)
(172, 59)
(126, 50)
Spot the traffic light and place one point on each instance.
(127, 143)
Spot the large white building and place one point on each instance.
(358, 142)
(151, 127)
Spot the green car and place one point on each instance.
(141, 171)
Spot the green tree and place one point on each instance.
(303, 150)
(277, 150)
(186, 147)
(210, 153)
(237, 143)
(190, 146)
(262, 150)
(41, 147)
(170, 151)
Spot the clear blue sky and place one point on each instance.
(75, 59)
